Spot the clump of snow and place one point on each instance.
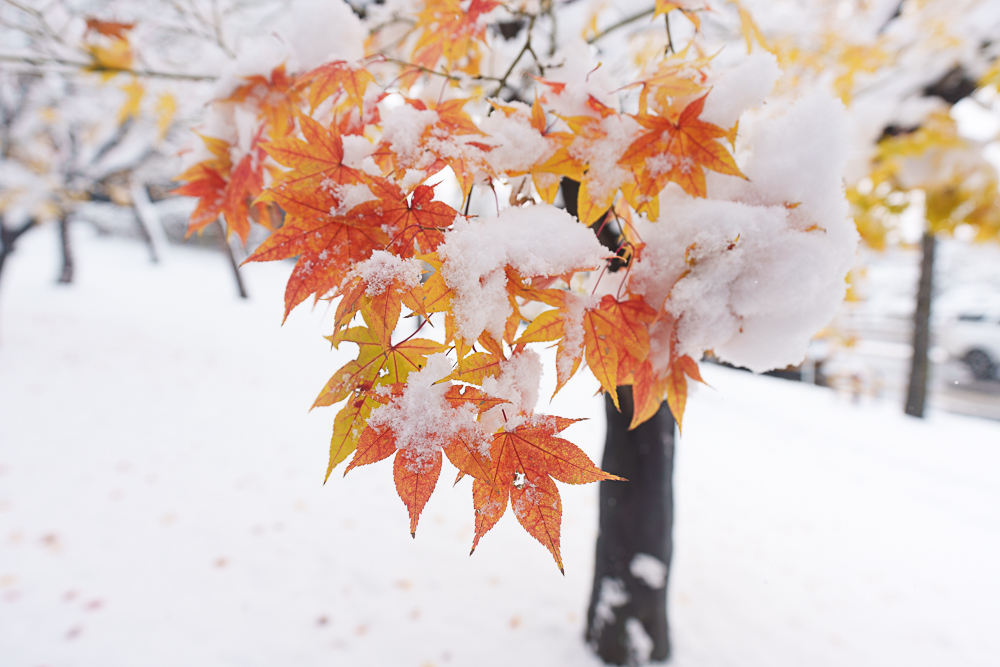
(639, 643)
(421, 419)
(518, 145)
(403, 130)
(539, 240)
(572, 341)
(357, 152)
(650, 570)
(382, 268)
(349, 195)
(613, 595)
(574, 65)
(517, 383)
(602, 151)
(762, 267)
(319, 31)
(737, 89)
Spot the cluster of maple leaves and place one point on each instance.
(295, 179)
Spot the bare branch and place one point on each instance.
(91, 67)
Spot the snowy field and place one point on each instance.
(161, 504)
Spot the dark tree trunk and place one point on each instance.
(916, 397)
(66, 275)
(228, 249)
(636, 519)
(8, 237)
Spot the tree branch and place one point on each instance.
(90, 67)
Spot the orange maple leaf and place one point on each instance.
(524, 460)
(110, 28)
(380, 305)
(328, 79)
(317, 161)
(222, 189)
(678, 151)
(276, 98)
(451, 29)
(416, 222)
(327, 245)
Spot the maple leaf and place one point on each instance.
(437, 293)
(417, 222)
(524, 462)
(601, 352)
(597, 192)
(415, 475)
(467, 454)
(327, 245)
(451, 29)
(680, 369)
(110, 28)
(209, 186)
(674, 78)
(223, 189)
(245, 182)
(650, 388)
(108, 60)
(376, 366)
(347, 428)
(276, 98)
(477, 366)
(329, 78)
(417, 465)
(314, 162)
(448, 141)
(380, 304)
(679, 151)
(134, 91)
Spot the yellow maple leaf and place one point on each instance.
(134, 91)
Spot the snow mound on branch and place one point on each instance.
(518, 145)
(421, 419)
(518, 383)
(320, 31)
(539, 240)
(761, 268)
(383, 267)
(739, 88)
(575, 65)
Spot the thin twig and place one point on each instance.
(525, 49)
(428, 70)
(670, 40)
(624, 22)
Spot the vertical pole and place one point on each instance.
(916, 396)
(627, 618)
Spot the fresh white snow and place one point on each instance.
(161, 503)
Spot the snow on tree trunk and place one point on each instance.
(627, 618)
(916, 396)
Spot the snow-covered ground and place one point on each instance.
(161, 503)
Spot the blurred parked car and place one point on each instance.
(973, 337)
